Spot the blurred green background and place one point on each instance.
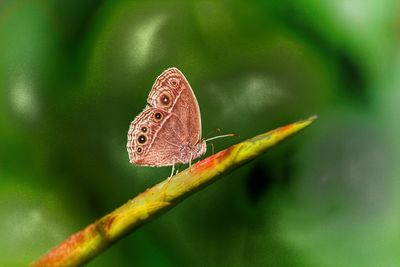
(74, 74)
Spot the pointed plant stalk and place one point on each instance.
(83, 246)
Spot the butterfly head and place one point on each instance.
(200, 149)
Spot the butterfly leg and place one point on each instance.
(172, 171)
(191, 159)
(177, 169)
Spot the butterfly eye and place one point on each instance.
(144, 129)
(174, 82)
(165, 99)
(142, 139)
(157, 116)
(139, 150)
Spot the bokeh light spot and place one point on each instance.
(23, 98)
(143, 39)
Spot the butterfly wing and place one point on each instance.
(150, 145)
(172, 84)
(169, 129)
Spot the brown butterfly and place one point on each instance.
(168, 131)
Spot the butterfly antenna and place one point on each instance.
(220, 136)
(213, 131)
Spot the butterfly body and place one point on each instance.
(168, 130)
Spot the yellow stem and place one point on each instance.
(95, 238)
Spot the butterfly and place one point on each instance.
(168, 130)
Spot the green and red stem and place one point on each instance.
(95, 238)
